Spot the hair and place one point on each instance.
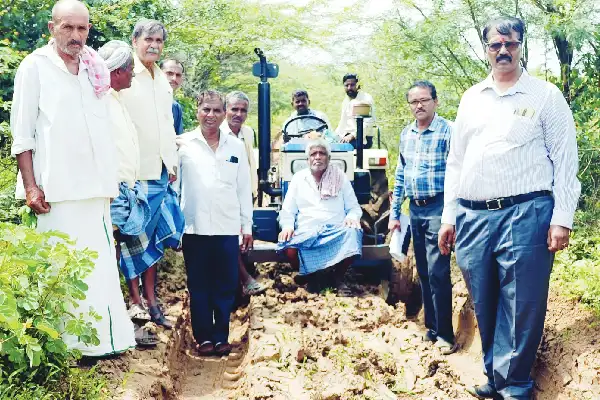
(350, 75)
(237, 95)
(318, 143)
(504, 26)
(176, 61)
(108, 50)
(423, 84)
(299, 93)
(210, 94)
(148, 27)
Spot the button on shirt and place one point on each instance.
(215, 189)
(125, 138)
(149, 102)
(347, 122)
(516, 142)
(57, 115)
(425, 155)
(304, 207)
(246, 135)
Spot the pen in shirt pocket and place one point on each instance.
(233, 159)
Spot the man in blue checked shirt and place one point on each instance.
(424, 147)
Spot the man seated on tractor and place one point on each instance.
(320, 221)
(301, 103)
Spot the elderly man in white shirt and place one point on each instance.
(65, 153)
(236, 111)
(320, 220)
(149, 103)
(511, 190)
(130, 211)
(216, 199)
(346, 129)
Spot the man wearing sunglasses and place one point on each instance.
(511, 191)
(424, 146)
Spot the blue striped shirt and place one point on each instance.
(421, 174)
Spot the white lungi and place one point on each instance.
(88, 222)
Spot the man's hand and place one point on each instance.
(394, 224)
(348, 138)
(446, 238)
(286, 235)
(36, 200)
(558, 238)
(172, 178)
(352, 223)
(247, 243)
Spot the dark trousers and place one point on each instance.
(504, 258)
(211, 264)
(433, 268)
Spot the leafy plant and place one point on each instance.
(41, 281)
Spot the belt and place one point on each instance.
(502, 202)
(427, 201)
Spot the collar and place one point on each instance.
(139, 67)
(521, 86)
(435, 124)
(225, 128)
(49, 52)
(197, 134)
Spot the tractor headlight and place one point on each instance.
(299, 165)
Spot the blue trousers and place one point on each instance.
(504, 258)
(211, 264)
(433, 268)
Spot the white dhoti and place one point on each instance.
(88, 222)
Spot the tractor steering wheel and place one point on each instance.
(301, 125)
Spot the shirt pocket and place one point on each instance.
(227, 172)
(523, 129)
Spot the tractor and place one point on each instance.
(365, 168)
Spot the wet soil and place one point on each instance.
(291, 344)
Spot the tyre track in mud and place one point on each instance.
(295, 345)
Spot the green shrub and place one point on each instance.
(41, 281)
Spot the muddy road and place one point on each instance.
(291, 344)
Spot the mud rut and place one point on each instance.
(291, 344)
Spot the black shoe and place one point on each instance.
(486, 391)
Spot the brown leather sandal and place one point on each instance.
(205, 349)
(223, 349)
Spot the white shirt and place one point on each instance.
(216, 194)
(511, 143)
(57, 115)
(246, 135)
(149, 102)
(126, 140)
(347, 122)
(304, 207)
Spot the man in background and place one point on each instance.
(174, 71)
(346, 129)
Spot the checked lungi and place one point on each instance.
(165, 229)
(130, 211)
(323, 247)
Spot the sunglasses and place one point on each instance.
(509, 46)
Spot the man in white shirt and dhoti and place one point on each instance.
(511, 190)
(320, 221)
(149, 103)
(65, 153)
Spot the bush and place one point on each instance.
(41, 280)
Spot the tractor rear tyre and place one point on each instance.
(376, 212)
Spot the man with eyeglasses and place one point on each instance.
(424, 146)
(511, 191)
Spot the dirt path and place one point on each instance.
(295, 345)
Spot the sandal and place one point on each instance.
(223, 349)
(343, 290)
(205, 349)
(445, 347)
(145, 338)
(137, 312)
(254, 288)
(157, 316)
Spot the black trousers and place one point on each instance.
(211, 264)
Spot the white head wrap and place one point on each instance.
(115, 53)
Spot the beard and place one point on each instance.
(352, 93)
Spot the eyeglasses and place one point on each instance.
(424, 102)
(509, 46)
